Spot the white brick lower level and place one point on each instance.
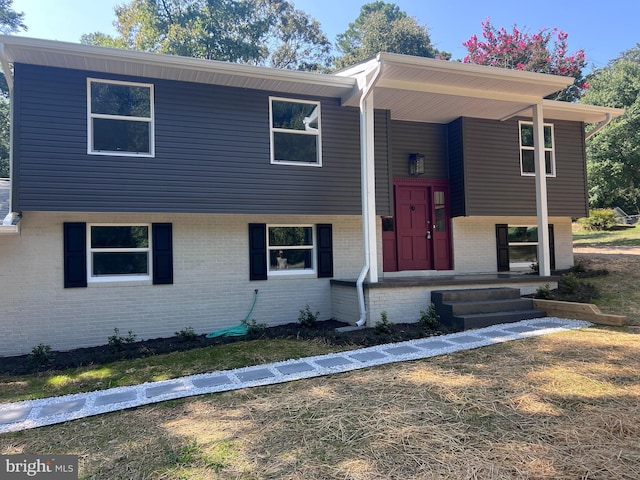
(211, 288)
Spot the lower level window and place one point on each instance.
(291, 249)
(523, 246)
(118, 252)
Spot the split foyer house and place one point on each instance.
(151, 192)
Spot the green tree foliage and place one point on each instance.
(383, 27)
(613, 154)
(259, 32)
(10, 22)
(519, 50)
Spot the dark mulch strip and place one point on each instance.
(324, 331)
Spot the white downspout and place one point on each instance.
(367, 186)
(542, 207)
(599, 126)
(11, 217)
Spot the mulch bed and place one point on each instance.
(324, 331)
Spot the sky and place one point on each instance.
(603, 29)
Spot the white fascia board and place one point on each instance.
(17, 47)
(553, 81)
(581, 111)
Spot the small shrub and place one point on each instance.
(599, 219)
(116, 341)
(41, 355)
(383, 325)
(568, 284)
(307, 318)
(186, 334)
(544, 293)
(429, 319)
(253, 326)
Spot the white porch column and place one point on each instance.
(368, 187)
(544, 259)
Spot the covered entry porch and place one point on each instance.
(402, 298)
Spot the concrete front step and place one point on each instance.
(482, 307)
(489, 306)
(475, 294)
(481, 320)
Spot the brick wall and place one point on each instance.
(211, 287)
(474, 242)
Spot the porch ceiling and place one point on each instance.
(429, 90)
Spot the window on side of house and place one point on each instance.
(295, 132)
(523, 246)
(120, 118)
(291, 249)
(118, 252)
(527, 162)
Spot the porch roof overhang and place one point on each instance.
(437, 91)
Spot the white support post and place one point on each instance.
(368, 188)
(544, 259)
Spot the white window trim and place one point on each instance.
(287, 272)
(545, 149)
(118, 278)
(317, 132)
(522, 244)
(150, 120)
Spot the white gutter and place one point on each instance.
(366, 117)
(10, 223)
(599, 126)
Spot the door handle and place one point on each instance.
(428, 235)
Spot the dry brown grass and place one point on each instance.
(563, 406)
(620, 292)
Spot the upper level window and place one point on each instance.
(118, 252)
(295, 132)
(120, 118)
(527, 163)
(291, 249)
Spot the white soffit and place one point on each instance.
(170, 67)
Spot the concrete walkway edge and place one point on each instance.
(24, 415)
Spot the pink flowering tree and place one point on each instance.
(543, 52)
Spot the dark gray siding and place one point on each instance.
(429, 139)
(212, 153)
(493, 184)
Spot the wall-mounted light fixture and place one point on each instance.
(416, 164)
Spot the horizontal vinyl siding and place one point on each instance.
(211, 153)
(493, 183)
(429, 139)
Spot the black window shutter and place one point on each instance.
(502, 244)
(552, 248)
(75, 254)
(325, 250)
(162, 237)
(257, 251)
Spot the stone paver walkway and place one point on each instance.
(48, 411)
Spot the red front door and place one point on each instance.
(413, 223)
(423, 241)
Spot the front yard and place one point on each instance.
(562, 406)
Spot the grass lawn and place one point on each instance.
(562, 406)
(157, 367)
(615, 252)
(624, 237)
